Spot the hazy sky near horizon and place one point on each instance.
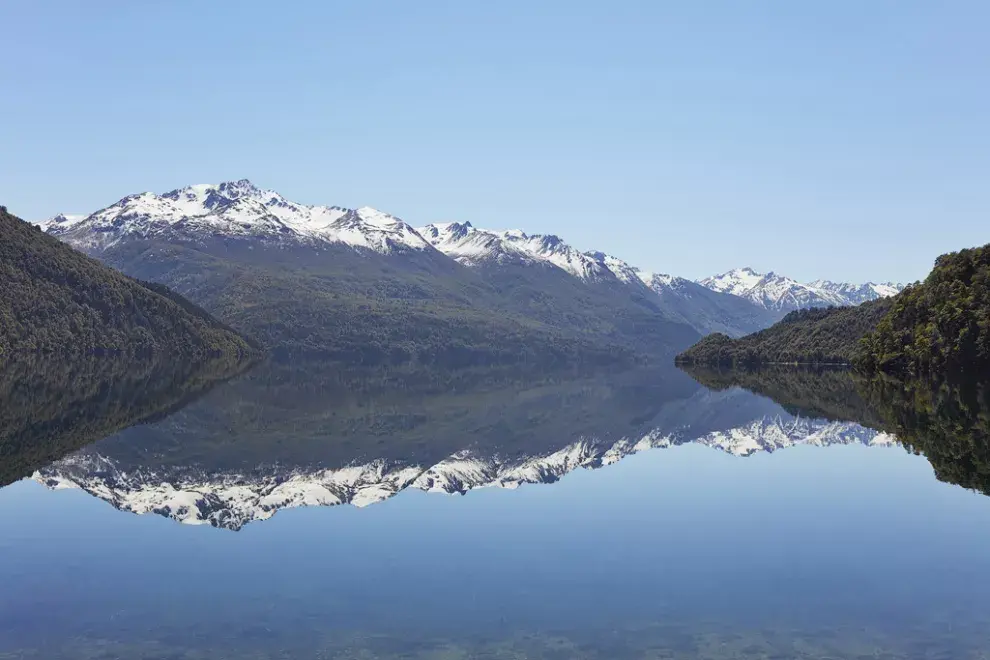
(842, 139)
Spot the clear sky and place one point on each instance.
(839, 139)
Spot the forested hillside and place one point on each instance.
(938, 328)
(808, 336)
(941, 326)
(54, 299)
(364, 308)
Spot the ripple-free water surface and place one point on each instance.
(706, 545)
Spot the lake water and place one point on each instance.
(300, 512)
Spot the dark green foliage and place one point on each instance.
(365, 308)
(941, 326)
(51, 406)
(831, 393)
(809, 336)
(313, 414)
(948, 423)
(56, 300)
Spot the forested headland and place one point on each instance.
(54, 299)
(934, 329)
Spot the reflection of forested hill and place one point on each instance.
(300, 435)
(948, 423)
(829, 393)
(313, 415)
(50, 407)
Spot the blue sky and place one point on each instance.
(846, 140)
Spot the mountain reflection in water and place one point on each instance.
(709, 547)
(289, 435)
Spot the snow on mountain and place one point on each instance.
(234, 209)
(62, 220)
(231, 500)
(619, 268)
(241, 210)
(737, 282)
(856, 294)
(705, 309)
(783, 294)
(769, 434)
(683, 300)
(473, 246)
(664, 284)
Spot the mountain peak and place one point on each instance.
(783, 294)
(236, 209)
(63, 220)
(241, 187)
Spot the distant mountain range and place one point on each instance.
(341, 281)
(782, 294)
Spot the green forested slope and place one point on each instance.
(948, 424)
(56, 300)
(421, 308)
(941, 326)
(809, 336)
(938, 328)
(822, 392)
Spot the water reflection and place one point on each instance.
(50, 406)
(946, 421)
(285, 436)
(709, 547)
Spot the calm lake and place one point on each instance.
(304, 511)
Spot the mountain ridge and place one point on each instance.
(207, 241)
(782, 294)
(242, 209)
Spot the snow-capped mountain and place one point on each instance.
(473, 246)
(233, 500)
(61, 222)
(235, 209)
(704, 308)
(855, 294)
(736, 303)
(783, 294)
